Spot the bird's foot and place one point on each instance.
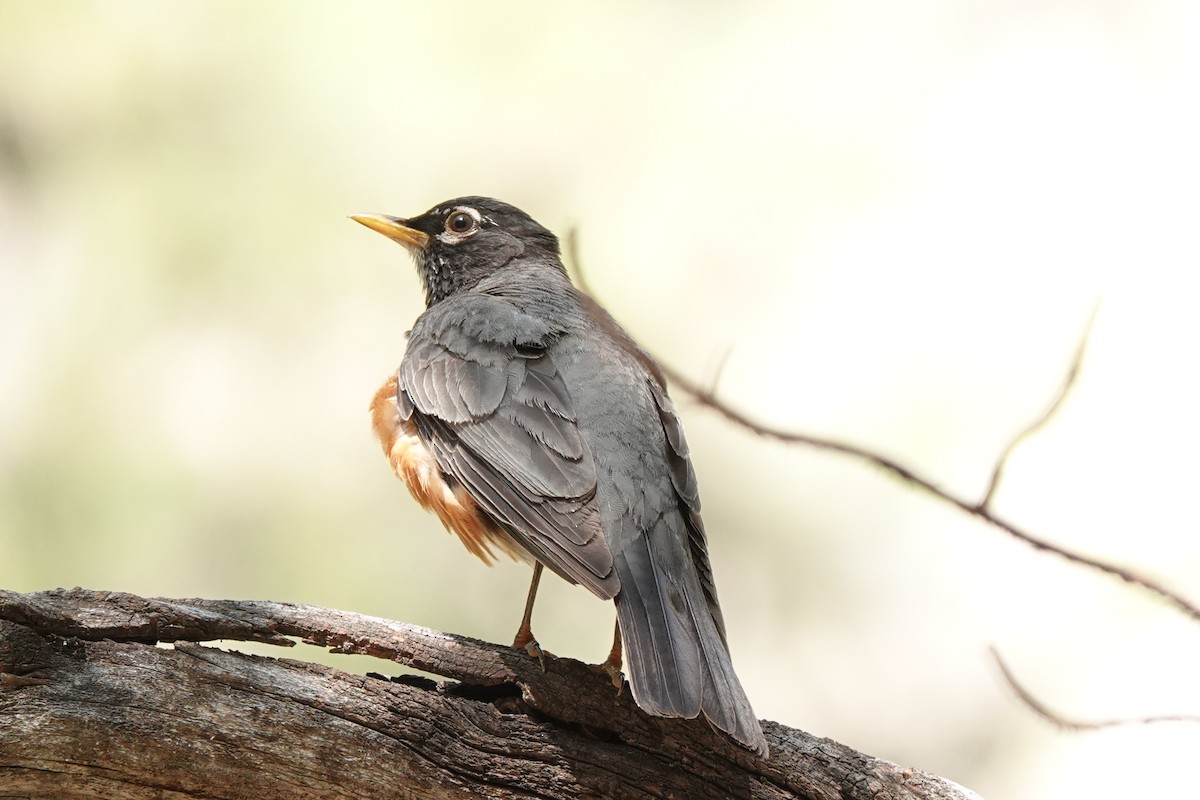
(614, 673)
(526, 642)
(611, 666)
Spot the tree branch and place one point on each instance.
(90, 707)
(977, 510)
(1057, 720)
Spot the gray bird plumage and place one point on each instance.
(559, 427)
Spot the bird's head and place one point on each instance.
(460, 242)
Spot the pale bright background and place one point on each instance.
(896, 217)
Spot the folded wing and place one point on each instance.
(498, 418)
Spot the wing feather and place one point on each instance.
(499, 420)
(683, 478)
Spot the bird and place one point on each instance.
(526, 418)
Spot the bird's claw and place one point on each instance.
(534, 650)
(614, 673)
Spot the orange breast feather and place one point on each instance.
(416, 466)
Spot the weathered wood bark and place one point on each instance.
(91, 707)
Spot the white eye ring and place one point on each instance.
(460, 223)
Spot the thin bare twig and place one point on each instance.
(1054, 718)
(1063, 390)
(720, 370)
(708, 399)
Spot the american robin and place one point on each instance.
(533, 425)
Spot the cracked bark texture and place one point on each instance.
(106, 694)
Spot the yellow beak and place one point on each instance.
(395, 229)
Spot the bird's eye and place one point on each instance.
(460, 222)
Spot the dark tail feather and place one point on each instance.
(725, 704)
(675, 658)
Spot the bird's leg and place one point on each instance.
(524, 639)
(611, 666)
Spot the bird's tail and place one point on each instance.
(676, 657)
